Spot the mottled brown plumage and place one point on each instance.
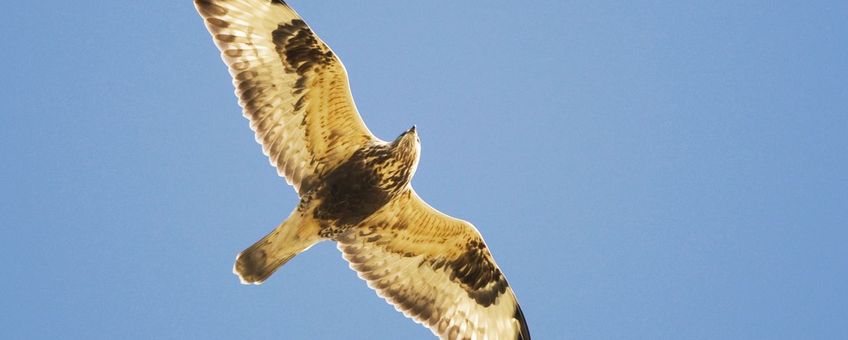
(354, 188)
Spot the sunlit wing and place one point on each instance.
(436, 270)
(292, 87)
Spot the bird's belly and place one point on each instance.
(348, 196)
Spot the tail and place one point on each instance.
(256, 263)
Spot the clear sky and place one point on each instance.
(640, 169)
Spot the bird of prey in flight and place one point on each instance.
(354, 188)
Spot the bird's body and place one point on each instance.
(354, 188)
(348, 194)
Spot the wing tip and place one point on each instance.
(523, 331)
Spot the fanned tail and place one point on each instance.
(256, 263)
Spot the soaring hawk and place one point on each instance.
(354, 188)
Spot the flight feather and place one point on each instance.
(436, 269)
(291, 86)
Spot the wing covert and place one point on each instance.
(291, 86)
(434, 269)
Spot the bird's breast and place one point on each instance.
(360, 186)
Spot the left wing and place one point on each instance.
(434, 269)
(292, 87)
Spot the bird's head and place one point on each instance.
(408, 147)
(408, 140)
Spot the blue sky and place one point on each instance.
(648, 169)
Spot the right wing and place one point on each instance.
(436, 270)
(292, 87)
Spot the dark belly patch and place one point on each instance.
(350, 193)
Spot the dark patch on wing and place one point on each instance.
(477, 274)
(301, 52)
(301, 48)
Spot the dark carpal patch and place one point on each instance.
(478, 276)
(301, 48)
